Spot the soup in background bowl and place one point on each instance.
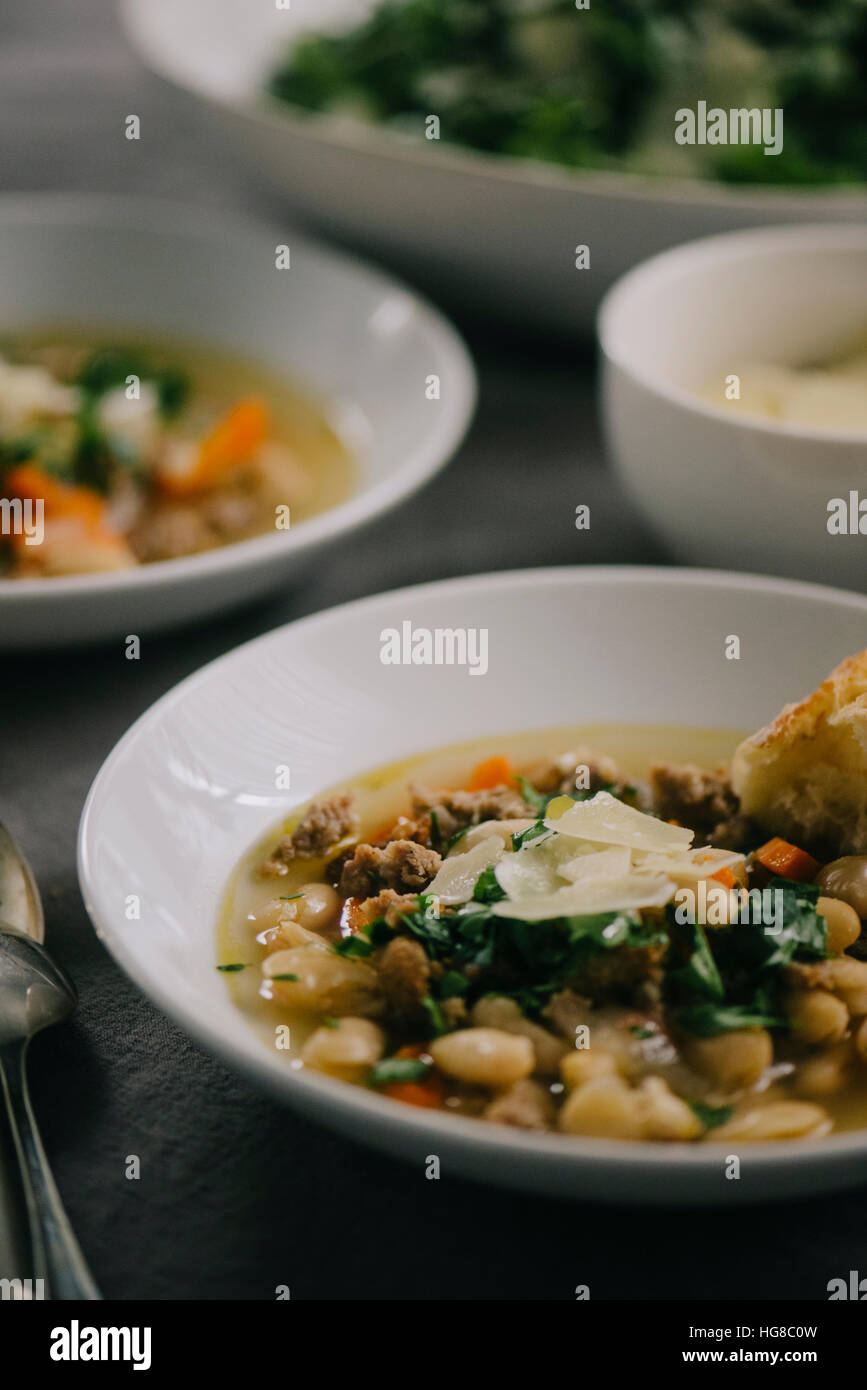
(122, 450)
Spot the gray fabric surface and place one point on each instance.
(238, 1195)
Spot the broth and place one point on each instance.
(382, 795)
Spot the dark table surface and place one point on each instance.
(237, 1195)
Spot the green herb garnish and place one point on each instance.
(707, 1020)
(398, 1069)
(436, 1014)
(487, 889)
(712, 1115)
(526, 837)
(453, 983)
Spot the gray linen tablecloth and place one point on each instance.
(237, 1195)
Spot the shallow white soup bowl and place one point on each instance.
(720, 487)
(361, 344)
(191, 787)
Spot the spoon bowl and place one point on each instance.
(34, 992)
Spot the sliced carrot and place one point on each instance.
(233, 441)
(428, 1094)
(787, 861)
(493, 772)
(725, 877)
(28, 481)
(425, 1094)
(78, 535)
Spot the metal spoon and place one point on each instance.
(34, 994)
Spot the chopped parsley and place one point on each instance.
(437, 1017)
(526, 837)
(712, 1115)
(398, 1069)
(537, 801)
(487, 889)
(707, 1020)
(700, 973)
(453, 984)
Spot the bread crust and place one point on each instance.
(804, 775)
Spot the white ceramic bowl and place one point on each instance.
(358, 340)
(719, 487)
(191, 787)
(492, 232)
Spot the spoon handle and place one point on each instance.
(56, 1252)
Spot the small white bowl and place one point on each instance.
(719, 487)
(191, 787)
(359, 341)
(493, 232)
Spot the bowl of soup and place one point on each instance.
(485, 870)
(190, 409)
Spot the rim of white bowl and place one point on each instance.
(432, 451)
(252, 1057)
(369, 137)
(614, 316)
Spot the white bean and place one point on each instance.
(585, 1064)
(663, 1114)
(848, 979)
(735, 1060)
(320, 906)
(484, 1056)
(347, 1049)
(325, 982)
(604, 1108)
(825, 1073)
(496, 1011)
(279, 926)
(781, 1119)
(842, 921)
(817, 1016)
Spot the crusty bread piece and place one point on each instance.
(804, 776)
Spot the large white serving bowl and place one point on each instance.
(720, 487)
(495, 233)
(191, 787)
(360, 342)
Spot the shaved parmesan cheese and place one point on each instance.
(689, 868)
(608, 821)
(599, 895)
(595, 856)
(457, 877)
(485, 829)
(532, 872)
(605, 863)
